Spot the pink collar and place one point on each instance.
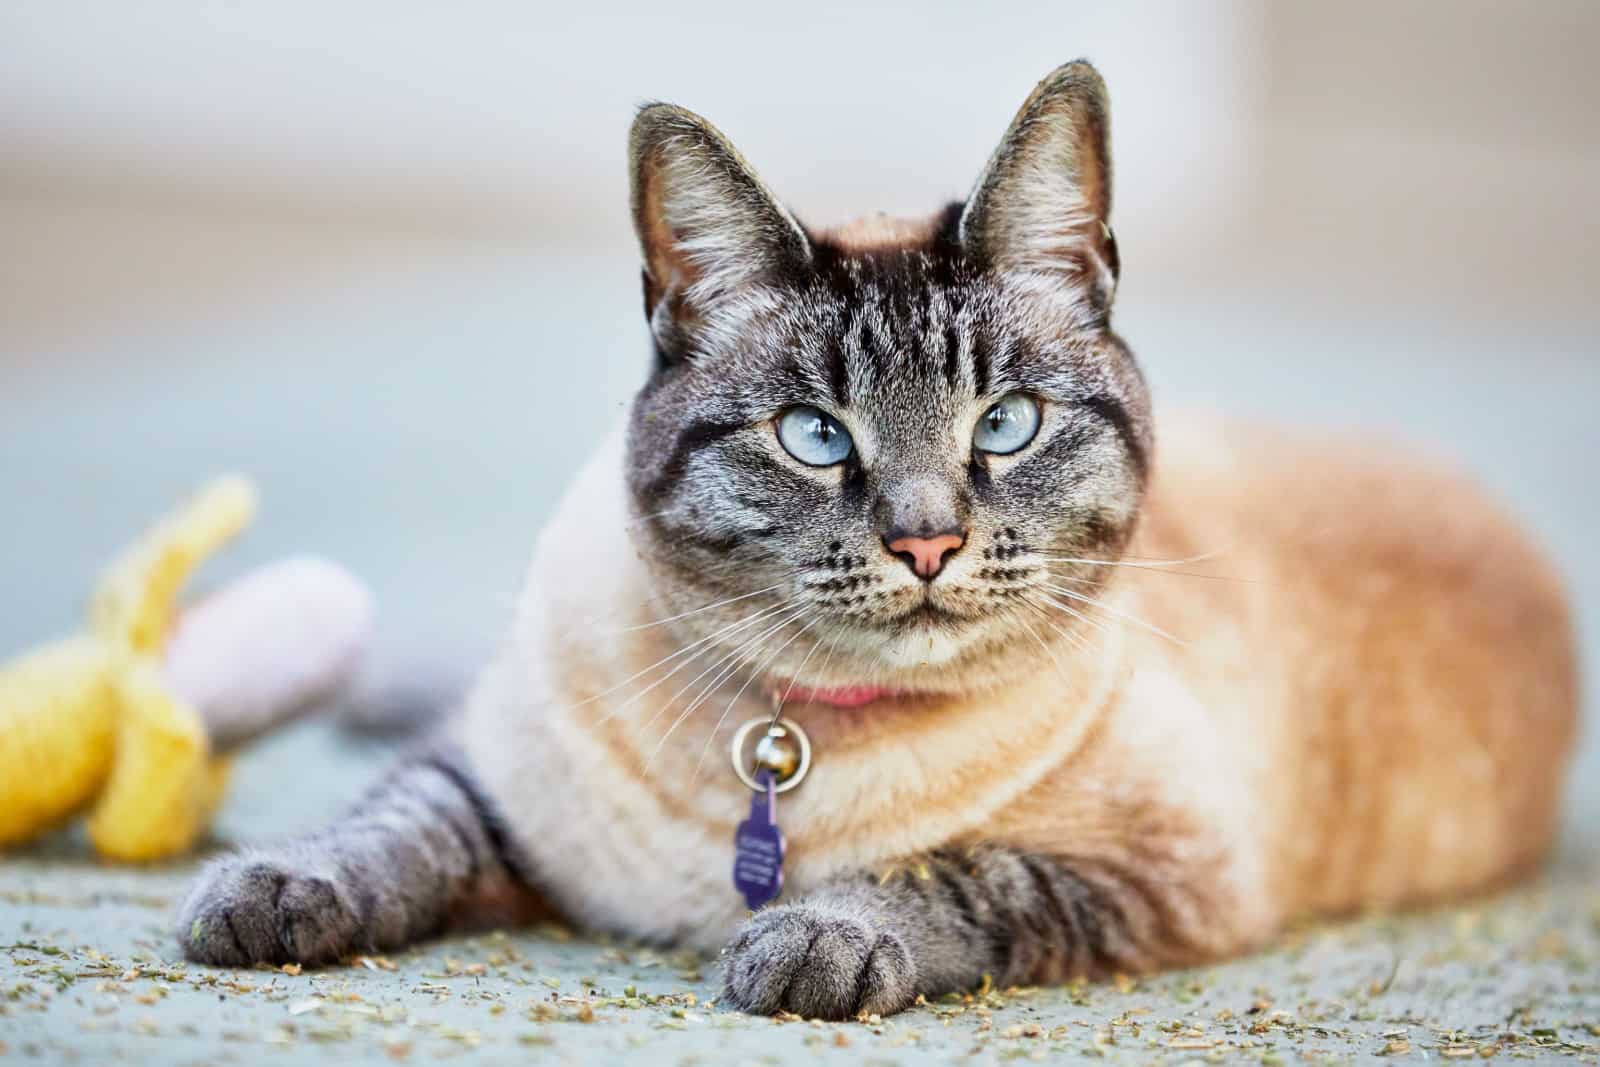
(844, 696)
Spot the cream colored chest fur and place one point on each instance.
(630, 837)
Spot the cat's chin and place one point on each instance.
(902, 653)
(921, 646)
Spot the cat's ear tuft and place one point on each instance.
(1043, 203)
(707, 226)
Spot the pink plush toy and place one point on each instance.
(274, 643)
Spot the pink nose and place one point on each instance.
(926, 555)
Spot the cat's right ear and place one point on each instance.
(708, 228)
(1042, 207)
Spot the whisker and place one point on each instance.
(605, 617)
(1135, 561)
(827, 661)
(757, 673)
(1070, 610)
(1157, 561)
(1149, 570)
(728, 665)
(833, 646)
(733, 654)
(1161, 566)
(733, 627)
(801, 669)
(1077, 640)
(753, 676)
(1074, 595)
(1047, 649)
(696, 611)
(1069, 578)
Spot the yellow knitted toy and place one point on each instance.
(114, 720)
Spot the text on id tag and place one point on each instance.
(758, 847)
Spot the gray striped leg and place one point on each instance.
(940, 923)
(390, 872)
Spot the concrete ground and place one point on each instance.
(413, 411)
(89, 974)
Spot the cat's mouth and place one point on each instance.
(929, 614)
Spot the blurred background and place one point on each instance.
(377, 254)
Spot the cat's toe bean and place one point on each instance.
(816, 963)
(247, 910)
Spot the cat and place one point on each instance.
(904, 475)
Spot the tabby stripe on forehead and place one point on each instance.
(980, 366)
(695, 437)
(838, 373)
(796, 375)
(952, 354)
(873, 350)
(1110, 409)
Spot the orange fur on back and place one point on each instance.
(1404, 653)
(878, 232)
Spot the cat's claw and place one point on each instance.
(252, 909)
(818, 963)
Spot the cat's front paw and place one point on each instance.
(255, 909)
(816, 962)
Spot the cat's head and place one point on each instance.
(882, 455)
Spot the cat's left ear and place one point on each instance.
(1043, 204)
(708, 227)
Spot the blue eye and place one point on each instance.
(1009, 425)
(813, 437)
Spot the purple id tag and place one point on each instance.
(758, 847)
